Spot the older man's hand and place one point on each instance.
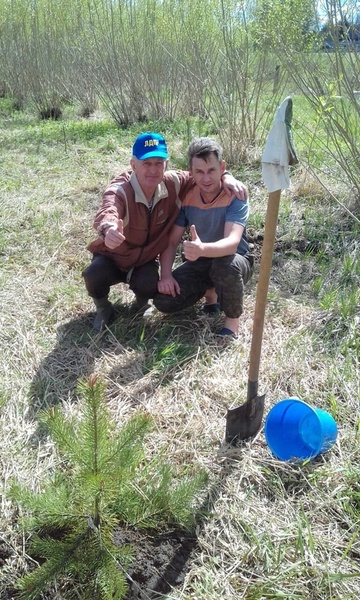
(169, 286)
(234, 187)
(114, 235)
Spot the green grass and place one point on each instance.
(102, 479)
(275, 530)
(166, 355)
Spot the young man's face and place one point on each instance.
(149, 172)
(207, 175)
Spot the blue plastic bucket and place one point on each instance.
(294, 430)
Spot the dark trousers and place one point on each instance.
(102, 273)
(227, 274)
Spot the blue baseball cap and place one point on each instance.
(150, 145)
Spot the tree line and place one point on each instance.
(230, 62)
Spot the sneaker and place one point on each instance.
(150, 311)
(225, 332)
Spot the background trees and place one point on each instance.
(229, 62)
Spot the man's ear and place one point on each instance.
(132, 164)
(223, 167)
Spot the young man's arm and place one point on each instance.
(167, 284)
(195, 248)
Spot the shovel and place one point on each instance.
(244, 421)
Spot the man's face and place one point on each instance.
(149, 172)
(207, 175)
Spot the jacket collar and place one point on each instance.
(160, 192)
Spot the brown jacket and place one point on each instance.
(146, 233)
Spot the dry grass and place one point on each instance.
(276, 530)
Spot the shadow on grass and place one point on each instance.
(131, 348)
(72, 357)
(162, 560)
(139, 347)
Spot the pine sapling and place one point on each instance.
(102, 481)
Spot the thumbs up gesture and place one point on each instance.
(114, 235)
(193, 249)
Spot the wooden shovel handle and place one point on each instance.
(263, 284)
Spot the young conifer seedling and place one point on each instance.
(102, 481)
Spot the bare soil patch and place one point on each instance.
(161, 560)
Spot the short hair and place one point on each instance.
(203, 147)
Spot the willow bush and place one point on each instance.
(149, 60)
(35, 55)
(231, 64)
(327, 80)
(240, 96)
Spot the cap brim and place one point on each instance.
(154, 154)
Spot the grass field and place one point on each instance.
(276, 530)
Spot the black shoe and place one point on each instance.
(141, 303)
(104, 313)
(139, 306)
(211, 309)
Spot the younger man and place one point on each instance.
(217, 256)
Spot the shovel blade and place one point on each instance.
(244, 421)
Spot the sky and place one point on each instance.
(351, 9)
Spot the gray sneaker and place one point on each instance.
(150, 311)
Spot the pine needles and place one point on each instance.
(102, 480)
